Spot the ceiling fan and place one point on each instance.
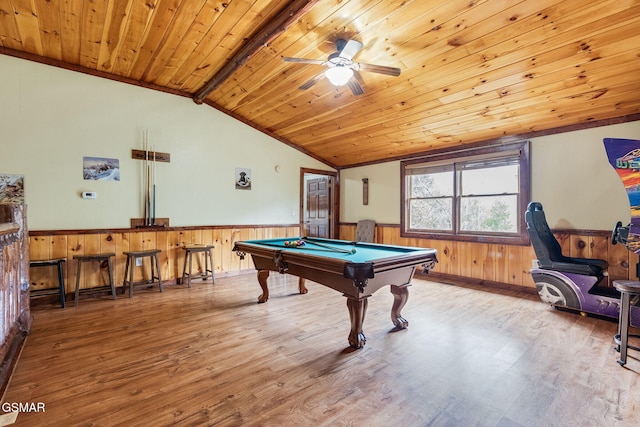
(342, 68)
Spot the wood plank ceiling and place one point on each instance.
(471, 70)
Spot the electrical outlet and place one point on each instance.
(138, 262)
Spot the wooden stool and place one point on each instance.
(208, 261)
(94, 257)
(60, 290)
(132, 256)
(627, 288)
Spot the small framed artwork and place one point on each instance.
(100, 169)
(243, 179)
(11, 188)
(365, 191)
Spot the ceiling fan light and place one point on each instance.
(339, 75)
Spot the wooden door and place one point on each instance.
(317, 218)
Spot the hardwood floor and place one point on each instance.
(211, 355)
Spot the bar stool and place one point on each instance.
(60, 290)
(132, 256)
(94, 257)
(208, 262)
(628, 289)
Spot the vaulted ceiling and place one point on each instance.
(471, 70)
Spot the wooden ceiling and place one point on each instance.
(472, 70)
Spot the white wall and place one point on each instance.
(384, 193)
(570, 176)
(50, 118)
(574, 181)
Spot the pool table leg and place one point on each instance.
(400, 297)
(263, 275)
(357, 310)
(301, 287)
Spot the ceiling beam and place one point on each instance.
(255, 44)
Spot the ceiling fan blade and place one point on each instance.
(304, 60)
(311, 82)
(355, 87)
(380, 69)
(350, 49)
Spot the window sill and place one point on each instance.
(519, 240)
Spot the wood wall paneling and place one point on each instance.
(489, 263)
(509, 264)
(170, 242)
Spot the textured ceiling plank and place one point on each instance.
(94, 15)
(49, 23)
(26, 18)
(71, 30)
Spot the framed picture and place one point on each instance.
(11, 188)
(243, 179)
(100, 169)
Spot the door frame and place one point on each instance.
(334, 198)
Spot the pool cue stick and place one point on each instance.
(148, 194)
(154, 186)
(304, 248)
(144, 176)
(333, 248)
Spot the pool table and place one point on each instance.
(356, 269)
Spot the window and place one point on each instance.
(474, 194)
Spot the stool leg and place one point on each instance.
(184, 267)
(158, 268)
(63, 292)
(126, 272)
(113, 287)
(190, 268)
(205, 272)
(213, 277)
(624, 326)
(75, 303)
(153, 274)
(133, 262)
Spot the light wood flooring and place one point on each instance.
(211, 355)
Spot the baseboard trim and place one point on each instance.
(466, 281)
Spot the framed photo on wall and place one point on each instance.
(11, 188)
(100, 169)
(243, 179)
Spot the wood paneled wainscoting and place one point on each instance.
(67, 243)
(507, 265)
